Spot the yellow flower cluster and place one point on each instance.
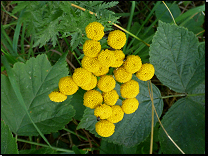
(146, 72)
(132, 64)
(103, 111)
(130, 105)
(92, 99)
(81, 76)
(116, 39)
(111, 97)
(91, 48)
(105, 128)
(106, 83)
(94, 31)
(57, 96)
(121, 75)
(129, 89)
(106, 57)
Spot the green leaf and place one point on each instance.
(43, 150)
(135, 127)
(8, 142)
(185, 123)
(175, 10)
(36, 80)
(178, 62)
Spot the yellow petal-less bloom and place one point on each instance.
(130, 105)
(81, 76)
(119, 55)
(129, 89)
(94, 31)
(105, 128)
(90, 63)
(101, 71)
(106, 58)
(110, 98)
(92, 99)
(121, 75)
(57, 97)
(117, 114)
(103, 111)
(146, 72)
(92, 83)
(106, 83)
(67, 86)
(116, 39)
(133, 63)
(91, 48)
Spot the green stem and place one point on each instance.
(77, 58)
(200, 94)
(179, 95)
(72, 132)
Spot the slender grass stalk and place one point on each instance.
(169, 12)
(22, 39)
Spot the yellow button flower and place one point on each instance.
(57, 97)
(119, 55)
(105, 128)
(92, 83)
(133, 63)
(130, 105)
(110, 98)
(103, 111)
(117, 114)
(106, 83)
(94, 31)
(92, 99)
(121, 75)
(90, 63)
(91, 48)
(116, 39)
(101, 71)
(146, 72)
(81, 76)
(106, 58)
(67, 86)
(129, 89)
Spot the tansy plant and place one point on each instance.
(104, 102)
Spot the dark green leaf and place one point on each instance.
(178, 62)
(185, 123)
(43, 150)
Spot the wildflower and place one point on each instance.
(67, 86)
(92, 99)
(146, 72)
(121, 75)
(129, 89)
(133, 63)
(90, 63)
(117, 114)
(101, 71)
(130, 105)
(106, 57)
(105, 128)
(110, 98)
(57, 96)
(81, 76)
(103, 111)
(116, 39)
(95, 31)
(92, 83)
(119, 55)
(91, 48)
(106, 83)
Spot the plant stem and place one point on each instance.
(179, 95)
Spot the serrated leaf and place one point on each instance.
(8, 142)
(135, 127)
(185, 123)
(178, 62)
(36, 80)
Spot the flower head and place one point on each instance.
(110, 98)
(91, 48)
(105, 128)
(106, 57)
(130, 105)
(133, 63)
(90, 63)
(81, 76)
(67, 86)
(116, 39)
(146, 72)
(121, 75)
(92, 99)
(103, 111)
(101, 71)
(117, 114)
(57, 96)
(94, 31)
(119, 55)
(106, 83)
(129, 89)
(92, 83)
